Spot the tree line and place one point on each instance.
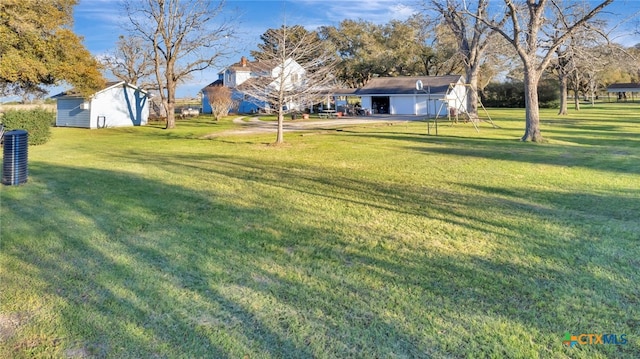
(518, 42)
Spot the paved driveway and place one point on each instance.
(254, 125)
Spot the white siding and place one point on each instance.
(402, 105)
(428, 105)
(119, 106)
(457, 97)
(366, 103)
(412, 104)
(239, 78)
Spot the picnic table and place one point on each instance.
(327, 113)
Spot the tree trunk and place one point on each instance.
(532, 129)
(563, 93)
(576, 99)
(280, 135)
(171, 97)
(171, 108)
(472, 95)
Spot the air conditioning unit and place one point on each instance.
(85, 106)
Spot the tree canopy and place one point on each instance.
(398, 48)
(38, 47)
(187, 36)
(132, 61)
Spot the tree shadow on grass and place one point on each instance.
(117, 255)
(613, 155)
(527, 289)
(140, 268)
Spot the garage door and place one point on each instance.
(402, 105)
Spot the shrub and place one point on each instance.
(220, 100)
(511, 94)
(36, 122)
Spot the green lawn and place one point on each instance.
(376, 241)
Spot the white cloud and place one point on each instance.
(376, 11)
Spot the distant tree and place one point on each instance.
(398, 48)
(580, 57)
(38, 47)
(525, 27)
(219, 98)
(185, 39)
(287, 86)
(132, 62)
(295, 34)
(624, 66)
(359, 47)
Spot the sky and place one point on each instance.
(100, 22)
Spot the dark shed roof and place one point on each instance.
(407, 85)
(624, 87)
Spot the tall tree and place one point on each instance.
(358, 44)
(132, 61)
(398, 48)
(288, 84)
(579, 54)
(185, 37)
(38, 47)
(522, 26)
(472, 36)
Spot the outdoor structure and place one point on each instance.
(242, 75)
(622, 89)
(440, 95)
(120, 104)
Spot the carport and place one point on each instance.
(622, 89)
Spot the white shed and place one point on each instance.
(399, 96)
(120, 104)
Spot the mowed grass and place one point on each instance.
(375, 241)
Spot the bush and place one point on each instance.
(511, 94)
(36, 122)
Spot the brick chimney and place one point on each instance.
(243, 61)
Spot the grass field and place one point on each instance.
(375, 241)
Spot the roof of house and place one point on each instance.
(253, 66)
(344, 91)
(109, 85)
(255, 82)
(624, 87)
(406, 85)
(215, 83)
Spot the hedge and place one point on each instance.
(36, 122)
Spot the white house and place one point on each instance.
(120, 104)
(399, 95)
(240, 76)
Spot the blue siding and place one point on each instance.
(69, 113)
(244, 106)
(206, 107)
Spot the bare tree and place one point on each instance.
(185, 38)
(472, 36)
(295, 77)
(522, 25)
(132, 62)
(220, 100)
(580, 54)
